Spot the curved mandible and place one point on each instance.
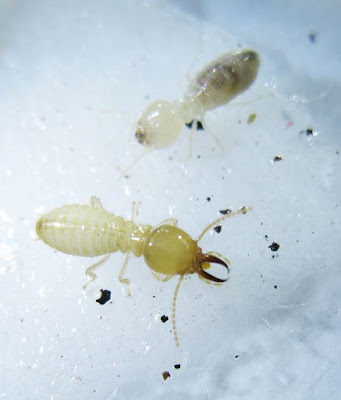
(212, 259)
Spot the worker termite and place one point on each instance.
(219, 82)
(92, 231)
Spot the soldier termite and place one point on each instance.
(219, 82)
(91, 231)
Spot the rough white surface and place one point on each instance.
(75, 76)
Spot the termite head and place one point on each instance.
(171, 251)
(160, 125)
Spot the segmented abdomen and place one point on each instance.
(89, 231)
(223, 79)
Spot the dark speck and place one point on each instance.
(208, 198)
(308, 132)
(236, 356)
(274, 246)
(277, 158)
(217, 228)
(200, 126)
(165, 375)
(105, 296)
(266, 237)
(177, 366)
(164, 318)
(312, 37)
(275, 286)
(224, 212)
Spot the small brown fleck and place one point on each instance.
(277, 158)
(251, 118)
(165, 375)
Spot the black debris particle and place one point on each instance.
(312, 37)
(275, 286)
(308, 132)
(164, 318)
(177, 366)
(225, 212)
(198, 156)
(217, 228)
(266, 237)
(274, 246)
(200, 126)
(236, 356)
(277, 158)
(208, 198)
(165, 375)
(105, 296)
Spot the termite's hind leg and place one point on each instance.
(205, 128)
(95, 202)
(121, 277)
(135, 206)
(90, 270)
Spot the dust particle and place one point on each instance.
(105, 297)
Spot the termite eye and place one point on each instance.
(140, 136)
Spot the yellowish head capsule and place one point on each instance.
(171, 251)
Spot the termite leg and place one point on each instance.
(161, 277)
(135, 205)
(95, 202)
(134, 211)
(169, 221)
(121, 277)
(89, 270)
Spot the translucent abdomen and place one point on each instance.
(222, 80)
(90, 231)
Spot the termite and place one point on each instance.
(91, 231)
(219, 82)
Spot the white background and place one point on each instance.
(74, 78)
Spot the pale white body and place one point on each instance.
(90, 231)
(219, 82)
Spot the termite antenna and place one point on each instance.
(146, 151)
(242, 210)
(175, 332)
